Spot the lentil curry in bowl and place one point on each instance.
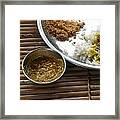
(43, 66)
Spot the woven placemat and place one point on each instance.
(77, 83)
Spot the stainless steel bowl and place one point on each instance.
(36, 54)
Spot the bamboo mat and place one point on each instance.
(77, 83)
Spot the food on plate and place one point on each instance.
(62, 30)
(75, 39)
(89, 49)
(45, 69)
(94, 50)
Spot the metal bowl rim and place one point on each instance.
(48, 50)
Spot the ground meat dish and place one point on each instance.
(62, 30)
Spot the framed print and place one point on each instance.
(59, 59)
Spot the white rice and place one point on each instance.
(81, 50)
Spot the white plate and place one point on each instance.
(66, 48)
